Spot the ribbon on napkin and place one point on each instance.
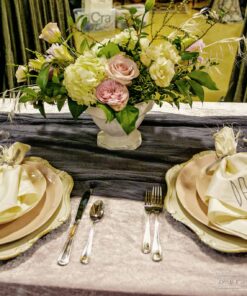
(21, 186)
(227, 192)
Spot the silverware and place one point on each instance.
(64, 257)
(156, 208)
(146, 245)
(96, 214)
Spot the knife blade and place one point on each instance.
(64, 257)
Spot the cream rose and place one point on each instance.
(162, 71)
(128, 38)
(154, 51)
(122, 69)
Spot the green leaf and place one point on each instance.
(127, 118)
(197, 89)
(25, 99)
(43, 76)
(61, 102)
(40, 106)
(186, 55)
(83, 46)
(109, 50)
(183, 87)
(109, 113)
(204, 79)
(70, 21)
(132, 10)
(30, 92)
(75, 109)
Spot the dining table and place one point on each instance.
(120, 178)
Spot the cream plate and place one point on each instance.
(41, 213)
(214, 239)
(202, 183)
(39, 182)
(61, 215)
(186, 189)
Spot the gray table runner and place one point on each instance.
(69, 145)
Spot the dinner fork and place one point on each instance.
(146, 245)
(156, 208)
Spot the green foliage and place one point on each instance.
(186, 55)
(75, 109)
(83, 46)
(204, 79)
(109, 113)
(43, 76)
(127, 118)
(197, 89)
(109, 50)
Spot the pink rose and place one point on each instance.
(122, 69)
(112, 93)
(197, 46)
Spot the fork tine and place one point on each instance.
(156, 195)
(153, 195)
(160, 195)
(149, 197)
(146, 197)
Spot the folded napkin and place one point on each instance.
(227, 192)
(21, 186)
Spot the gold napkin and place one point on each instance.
(21, 186)
(227, 192)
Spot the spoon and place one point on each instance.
(96, 214)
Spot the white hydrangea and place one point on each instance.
(82, 78)
(162, 71)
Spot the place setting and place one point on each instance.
(123, 163)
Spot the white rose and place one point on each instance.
(154, 51)
(21, 74)
(162, 71)
(128, 37)
(225, 142)
(60, 52)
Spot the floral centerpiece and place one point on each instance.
(119, 79)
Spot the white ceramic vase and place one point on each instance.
(112, 136)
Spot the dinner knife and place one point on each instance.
(64, 257)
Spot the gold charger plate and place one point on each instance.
(39, 182)
(214, 239)
(186, 189)
(60, 216)
(41, 213)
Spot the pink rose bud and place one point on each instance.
(122, 69)
(197, 46)
(112, 93)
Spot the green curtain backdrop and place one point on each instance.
(21, 22)
(237, 91)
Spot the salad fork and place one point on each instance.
(146, 245)
(156, 208)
